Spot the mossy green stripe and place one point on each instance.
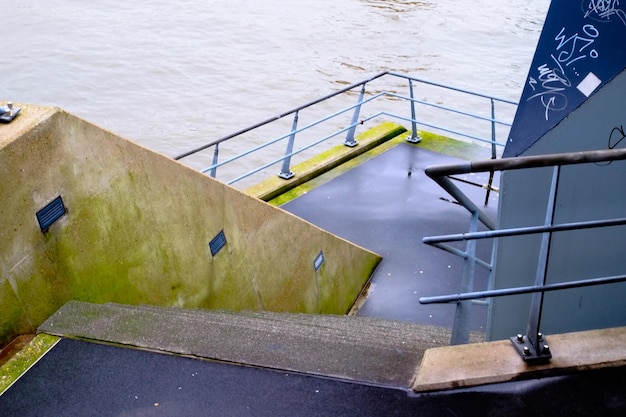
(24, 359)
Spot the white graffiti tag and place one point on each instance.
(549, 87)
(551, 81)
(604, 10)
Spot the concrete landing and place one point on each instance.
(362, 349)
(388, 205)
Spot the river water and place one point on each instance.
(173, 75)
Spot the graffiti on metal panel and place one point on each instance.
(604, 10)
(616, 136)
(552, 81)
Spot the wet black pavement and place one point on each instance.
(379, 206)
(79, 378)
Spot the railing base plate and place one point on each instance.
(414, 139)
(528, 352)
(287, 175)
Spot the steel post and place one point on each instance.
(532, 347)
(415, 137)
(216, 153)
(285, 173)
(463, 313)
(350, 141)
(493, 149)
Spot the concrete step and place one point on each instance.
(349, 347)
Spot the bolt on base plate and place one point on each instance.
(529, 353)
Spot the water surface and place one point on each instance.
(172, 75)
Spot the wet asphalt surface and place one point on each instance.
(379, 206)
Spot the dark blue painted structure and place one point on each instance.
(581, 48)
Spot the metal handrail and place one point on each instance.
(350, 128)
(528, 345)
(528, 289)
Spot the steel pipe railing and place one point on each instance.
(531, 346)
(351, 128)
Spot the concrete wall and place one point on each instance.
(586, 192)
(137, 231)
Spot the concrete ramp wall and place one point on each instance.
(137, 231)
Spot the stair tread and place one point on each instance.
(349, 347)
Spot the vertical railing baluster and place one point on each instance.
(415, 137)
(493, 149)
(216, 153)
(462, 315)
(493, 129)
(285, 172)
(350, 141)
(533, 347)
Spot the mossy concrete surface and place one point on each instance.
(24, 359)
(137, 231)
(431, 141)
(325, 161)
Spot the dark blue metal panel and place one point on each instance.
(50, 213)
(581, 48)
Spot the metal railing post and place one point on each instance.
(350, 141)
(493, 149)
(216, 153)
(285, 172)
(462, 315)
(493, 129)
(415, 137)
(533, 347)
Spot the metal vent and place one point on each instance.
(217, 243)
(319, 260)
(50, 213)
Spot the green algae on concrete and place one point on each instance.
(137, 231)
(430, 141)
(452, 147)
(24, 359)
(274, 187)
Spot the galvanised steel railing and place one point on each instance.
(531, 346)
(369, 98)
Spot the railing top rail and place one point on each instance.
(522, 162)
(280, 116)
(453, 298)
(448, 87)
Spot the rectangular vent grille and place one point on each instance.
(319, 260)
(50, 213)
(217, 243)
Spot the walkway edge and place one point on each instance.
(493, 362)
(23, 360)
(359, 349)
(325, 161)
